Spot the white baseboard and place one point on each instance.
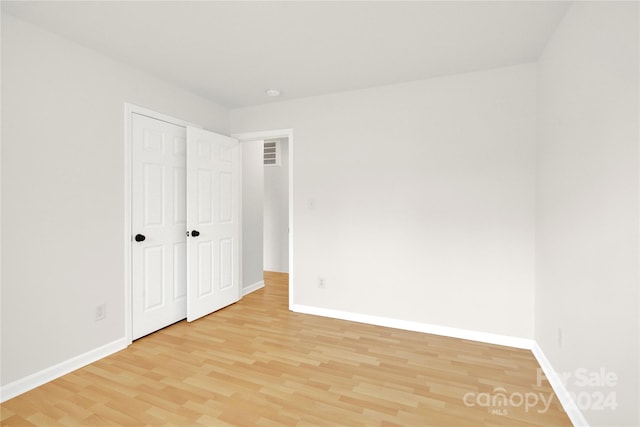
(417, 326)
(37, 379)
(569, 405)
(252, 288)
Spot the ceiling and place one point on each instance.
(230, 52)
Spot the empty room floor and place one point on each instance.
(257, 364)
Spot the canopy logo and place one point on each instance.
(498, 401)
(590, 390)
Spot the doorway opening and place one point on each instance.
(271, 211)
(276, 205)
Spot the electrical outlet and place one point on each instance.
(322, 283)
(101, 312)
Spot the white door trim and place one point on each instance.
(271, 134)
(130, 109)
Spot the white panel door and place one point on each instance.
(158, 223)
(213, 222)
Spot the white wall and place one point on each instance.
(63, 192)
(252, 213)
(276, 213)
(414, 201)
(422, 199)
(587, 202)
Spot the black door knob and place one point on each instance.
(195, 233)
(139, 237)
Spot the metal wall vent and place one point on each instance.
(271, 156)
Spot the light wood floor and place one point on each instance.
(257, 364)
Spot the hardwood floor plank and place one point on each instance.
(257, 364)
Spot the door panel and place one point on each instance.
(180, 197)
(158, 213)
(226, 263)
(205, 199)
(153, 194)
(213, 210)
(153, 286)
(180, 270)
(204, 268)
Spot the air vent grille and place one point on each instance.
(271, 155)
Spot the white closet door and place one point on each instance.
(213, 222)
(158, 223)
